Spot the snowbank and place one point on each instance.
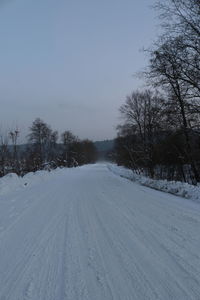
(12, 182)
(173, 187)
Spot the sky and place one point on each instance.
(71, 62)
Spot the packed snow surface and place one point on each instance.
(88, 234)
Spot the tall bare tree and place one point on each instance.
(4, 154)
(142, 115)
(175, 66)
(68, 139)
(14, 135)
(40, 137)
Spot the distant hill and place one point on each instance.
(104, 149)
(20, 148)
(104, 146)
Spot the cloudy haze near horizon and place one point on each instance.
(71, 63)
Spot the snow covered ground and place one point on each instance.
(88, 234)
(177, 188)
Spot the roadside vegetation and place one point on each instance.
(44, 150)
(160, 132)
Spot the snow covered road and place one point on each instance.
(88, 234)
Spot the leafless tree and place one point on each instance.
(68, 139)
(4, 154)
(175, 65)
(14, 135)
(142, 115)
(40, 136)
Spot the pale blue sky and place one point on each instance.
(71, 62)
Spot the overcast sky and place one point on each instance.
(71, 62)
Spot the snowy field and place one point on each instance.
(89, 234)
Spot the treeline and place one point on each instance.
(160, 133)
(44, 150)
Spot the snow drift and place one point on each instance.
(12, 182)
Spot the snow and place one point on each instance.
(87, 233)
(177, 188)
(12, 183)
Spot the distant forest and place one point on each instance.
(160, 133)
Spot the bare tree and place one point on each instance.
(68, 139)
(175, 66)
(4, 154)
(142, 114)
(181, 23)
(40, 136)
(14, 135)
